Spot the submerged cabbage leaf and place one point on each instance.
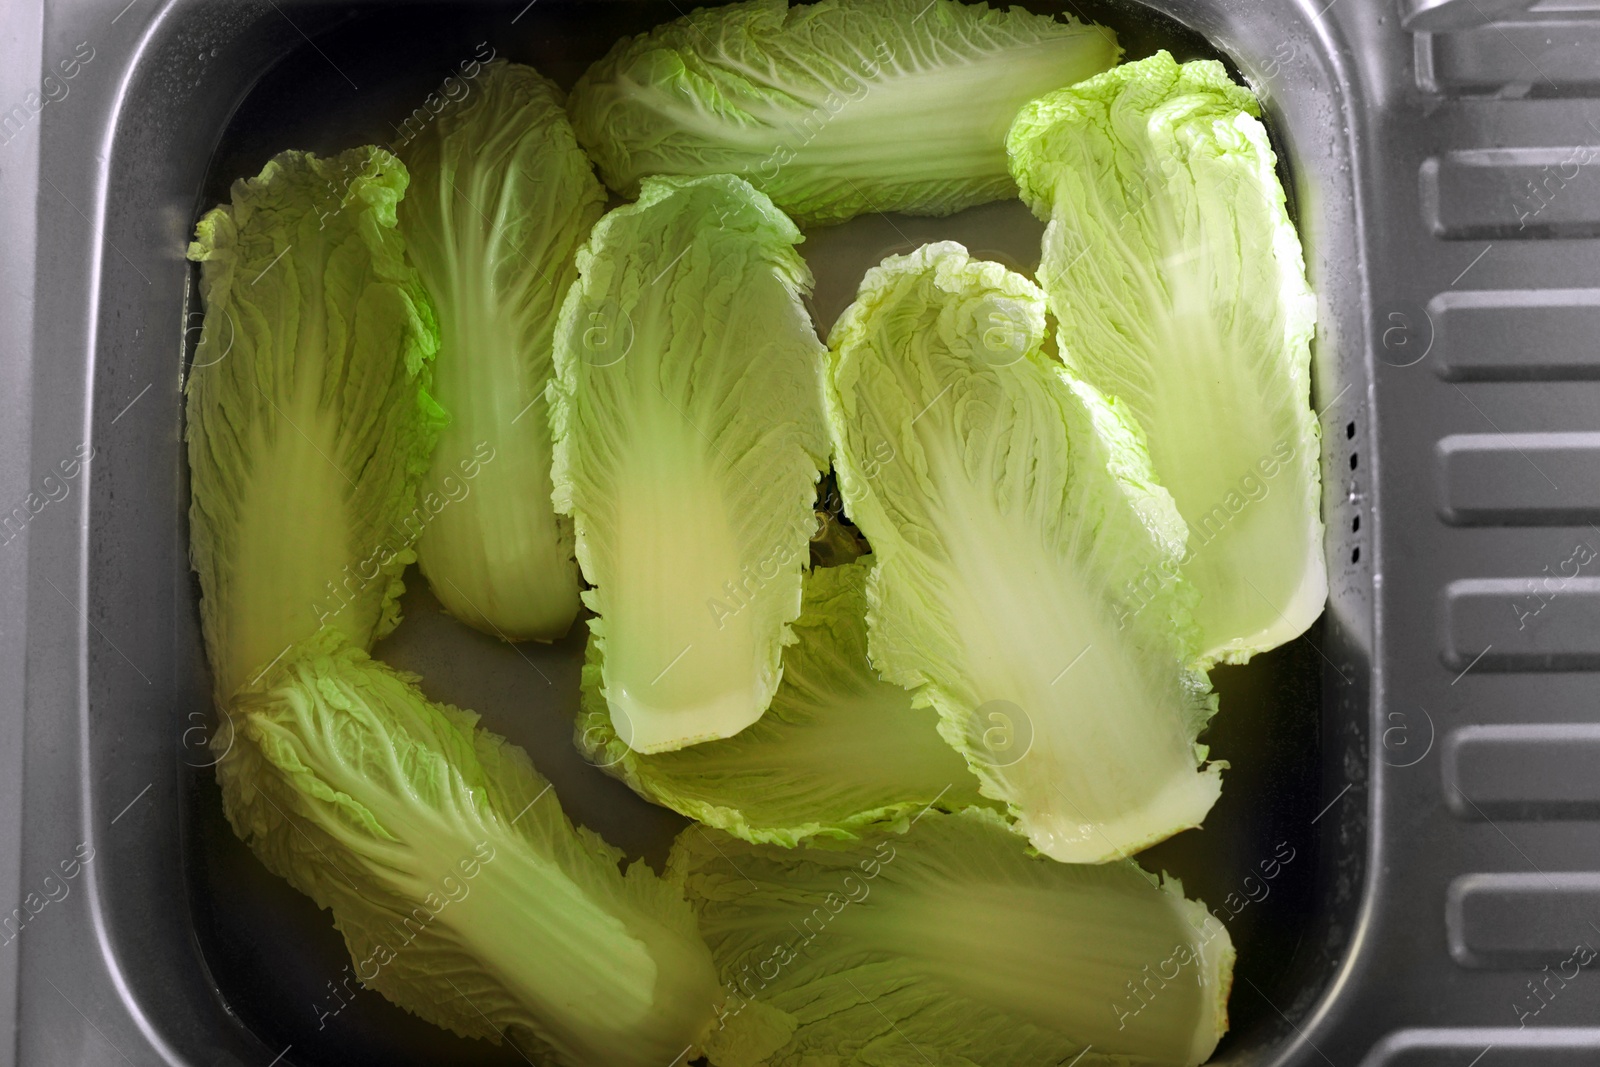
(951, 945)
(834, 108)
(309, 422)
(501, 196)
(687, 410)
(1007, 506)
(839, 751)
(463, 893)
(1178, 282)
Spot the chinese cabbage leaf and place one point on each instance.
(838, 752)
(501, 196)
(687, 411)
(834, 108)
(1007, 506)
(1179, 286)
(309, 422)
(463, 893)
(950, 944)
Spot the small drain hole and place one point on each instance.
(1352, 461)
(1355, 555)
(1350, 431)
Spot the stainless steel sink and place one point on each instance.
(1427, 754)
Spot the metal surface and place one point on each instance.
(1449, 835)
(20, 43)
(1442, 15)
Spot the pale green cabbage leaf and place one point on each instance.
(463, 893)
(687, 411)
(839, 752)
(309, 420)
(1007, 506)
(951, 945)
(834, 108)
(1179, 285)
(501, 197)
